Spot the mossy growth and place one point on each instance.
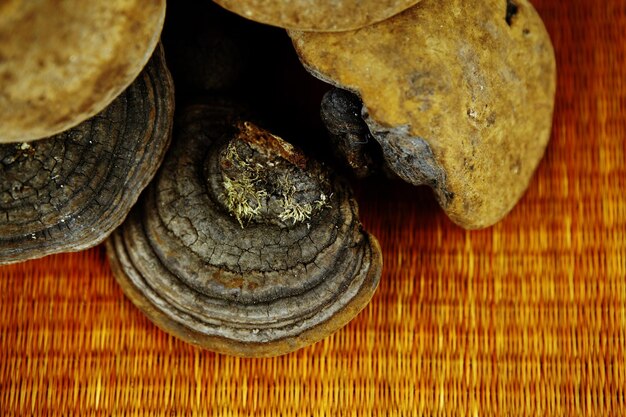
(267, 180)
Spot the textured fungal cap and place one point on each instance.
(68, 192)
(287, 271)
(459, 93)
(317, 15)
(62, 62)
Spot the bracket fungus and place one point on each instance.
(459, 94)
(242, 244)
(68, 192)
(317, 15)
(350, 137)
(62, 62)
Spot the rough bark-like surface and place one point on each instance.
(69, 192)
(62, 62)
(459, 93)
(276, 266)
(348, 132)
(317, 15)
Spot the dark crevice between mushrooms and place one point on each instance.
(68, 192)
(242, 244)
(215, 53)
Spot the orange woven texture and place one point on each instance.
(524, 318)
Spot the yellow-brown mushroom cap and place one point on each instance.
(317, 15)
(62, 62)
(469, 82)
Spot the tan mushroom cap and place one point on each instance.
(62, 62)
(473, 80)
(317, 15)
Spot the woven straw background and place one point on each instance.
(524, 318)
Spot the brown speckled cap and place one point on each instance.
(317, 15)
(62, 62)
(459, 94)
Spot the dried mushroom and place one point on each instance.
(241, 244)
(459, 94)
(317, 15)
(62, 62)
(68, 192)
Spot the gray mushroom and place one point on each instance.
(242, 244)
(68, 192)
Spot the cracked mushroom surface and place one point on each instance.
(459, 94)
(68, 192)
(63, 61)
(243, 245)
(317, 15)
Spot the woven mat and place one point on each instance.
(525, 318)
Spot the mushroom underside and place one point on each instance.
(291, 271)
(62, 62)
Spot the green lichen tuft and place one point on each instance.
(243, 195)
(243, 199)
(262, 189)
(294, 211)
